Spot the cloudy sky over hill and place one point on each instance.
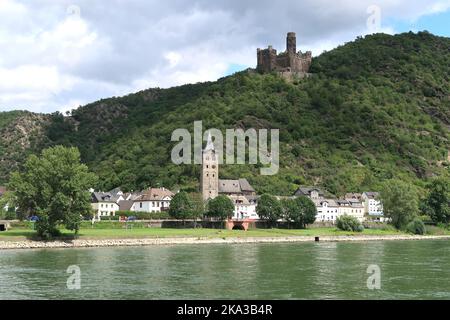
(57, 55)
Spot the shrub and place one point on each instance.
(416, 227)
(349, 223)
(125, 213)
(151, 215)
(110, 218)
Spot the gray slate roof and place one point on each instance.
(102, 197)
(235, 186)
(125, 205)
(372, 195)
(306, 191)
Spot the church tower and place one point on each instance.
(210, 172)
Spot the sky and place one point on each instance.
(58, 55)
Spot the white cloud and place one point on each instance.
(56, 55)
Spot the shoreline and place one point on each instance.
(106, 243)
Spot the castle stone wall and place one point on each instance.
(289, 61)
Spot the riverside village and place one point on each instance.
(363, 206)
(154, 203)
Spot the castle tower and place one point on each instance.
(209, 181)
(291, 42)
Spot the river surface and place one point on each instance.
(408, 270)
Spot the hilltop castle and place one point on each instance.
(290, 62)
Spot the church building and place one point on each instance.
(239, 191)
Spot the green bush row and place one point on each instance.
(349, 223)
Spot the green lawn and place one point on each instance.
(89, 233)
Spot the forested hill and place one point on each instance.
(376, 108)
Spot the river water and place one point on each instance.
(408, 270)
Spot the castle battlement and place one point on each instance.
(289, 61)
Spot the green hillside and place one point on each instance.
(9, 116)
(374, 109)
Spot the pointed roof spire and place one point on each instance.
(209, 144)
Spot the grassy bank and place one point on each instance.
(112, 230)
(136, 233)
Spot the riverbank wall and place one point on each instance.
(29, 244)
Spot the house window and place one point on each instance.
(140, 205)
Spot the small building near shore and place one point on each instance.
(4, 225)
(153, 200)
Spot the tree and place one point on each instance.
(220, 207)
(349, 223)
(269, 208)
(198, 207)
(400, 202)
(438, 201)
(292, 212)
(181, 206)
(416, 226)
(54, 187)
(302, 211)
(308, 209)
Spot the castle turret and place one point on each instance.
(291, 42)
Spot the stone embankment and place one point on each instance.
(28, 244)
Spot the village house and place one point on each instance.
(245, 207)
(351, 207)
(353, 196)
(372, 204)
(153, 200)
(329, 209)
(311, 192)
(104, 204)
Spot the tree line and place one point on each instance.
(54, 187)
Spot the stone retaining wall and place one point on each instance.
(28, 244)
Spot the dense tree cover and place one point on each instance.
(220, 207)
(301, 211)
(375, 109)
(400, 202)
(270, 209)
(437, 203)
(54, 187)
